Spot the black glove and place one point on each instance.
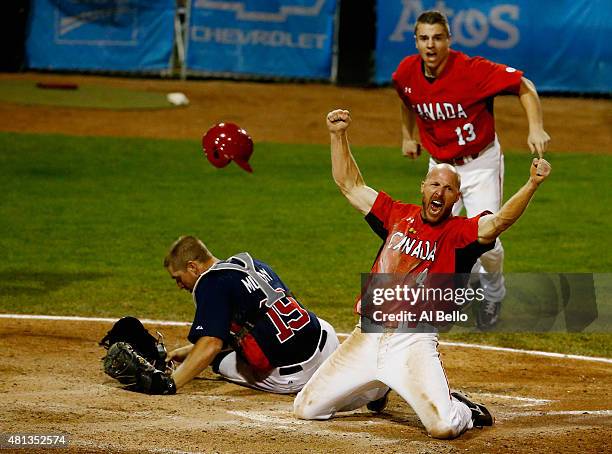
(132, 331)
(127, 366)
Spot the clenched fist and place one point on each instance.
(338, 120)
(540, 169)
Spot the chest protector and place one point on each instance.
(242, 339)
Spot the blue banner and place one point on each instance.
(107, 35)
(560, 45)
(269, 38)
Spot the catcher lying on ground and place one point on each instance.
(248, 326)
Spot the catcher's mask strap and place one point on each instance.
(272, 295)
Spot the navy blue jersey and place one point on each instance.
(231, 306)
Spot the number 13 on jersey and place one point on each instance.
(465, 134)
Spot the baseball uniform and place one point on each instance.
(454, 114)
(274, 343)
(366, 365)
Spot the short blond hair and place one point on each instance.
(186, 249)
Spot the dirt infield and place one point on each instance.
(293, 113)
(52, 382)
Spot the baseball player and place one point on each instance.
(449, 96)
(363, 369)
(248, 325)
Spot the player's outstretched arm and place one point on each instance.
(492, 225)
(344, 168)
(198, 359)
(410, 147)
(538, 139)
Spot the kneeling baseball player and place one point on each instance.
(248, 326)
(367, 365)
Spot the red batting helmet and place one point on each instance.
(225, 142)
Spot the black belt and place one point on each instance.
(463, 159)
(295, 369)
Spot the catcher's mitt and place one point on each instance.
(127, 366)
(132, 331)
(135, 358)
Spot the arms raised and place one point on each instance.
(344, 168)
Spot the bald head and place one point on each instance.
(440, 189)
(446, 171)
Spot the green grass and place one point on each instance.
(86, 223)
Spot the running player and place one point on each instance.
(450, 98)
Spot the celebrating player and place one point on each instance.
(450, 97)
(247, 325)
(367, 365)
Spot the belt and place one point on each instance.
(458, 161)
(295, 369)
(463, 159)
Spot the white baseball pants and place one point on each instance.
(233, 368)
(482, 181)
(366, 365)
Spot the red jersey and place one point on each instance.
(454, 111)
(412, 245)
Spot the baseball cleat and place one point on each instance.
(488, 314)
(480, 415)
(379, 405)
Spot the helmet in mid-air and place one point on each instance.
(226, 142)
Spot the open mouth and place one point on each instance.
(435, 206)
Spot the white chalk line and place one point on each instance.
(340, 335)
(530, 401)
(539, 413)
(74, 318)
(527, 401)
(528, 352)
(269, 419)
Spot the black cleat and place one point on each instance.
(379, 405)
(480, 415)
(488, 314)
